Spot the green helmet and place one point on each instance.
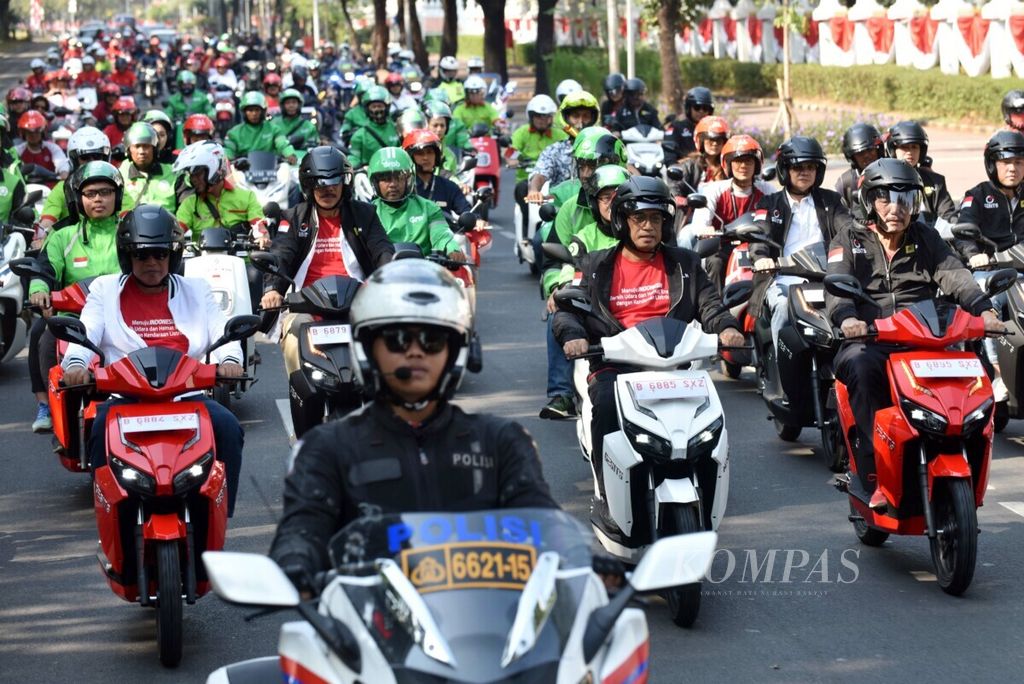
(607, 176)
(585, 144)
(435, 108)
(253, 98)
(92, 172)
(186, 77)
(409, 120)
(290, 94)
(141, 133)
(581, 99)
(437, 95)
(392, 160)
(362, 85)
(376, 94)
(157, 116)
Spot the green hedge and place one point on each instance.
(925, 94)
(473, 46)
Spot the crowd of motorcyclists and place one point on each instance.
(142, 146)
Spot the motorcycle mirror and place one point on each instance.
(845, 285)
(737, 293)
(61, 111)
(706, 247)
(485, 192)
(26, 267)
(26, 171)
(475, 360)
(769, 172)
(573, 300)
(237, 328)
(33, 196)
(548, 212)
(249, 579)
(468, 164)
(557, 251)
(695, 200)
(272, 210)
(1001, 281)
(479, 130)
(297, 140)
(407, 250)
(73, 331)
(467, 221)
(242, 164)
(165, 102)
(968, 231)
(118, 153)
(24, 216)
(674, 173)
(504, 141)
(266, 262)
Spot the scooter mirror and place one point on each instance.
(475, 360)
(847, 286)
(548, 212)
(467, 221)
(674, 561)
(266, 262)
(33, 196)
(24, 216)
(407, 250)
(73, 331)
(272, 210)
(479, 130)
(26, 267)
(557, 251)
(769, 172)
(242, 164)
(674, 173)
(504, 141)
(1001, 281)
(249, 579)
(468, 164)
(967, 231)
(237, 328)
(737, 293)
(297, 140)
(695, 200)
(485, 192)
(573, 300)
(706, 247)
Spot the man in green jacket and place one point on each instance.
(291, 122)
(406, 216)
(475, 110)
(379, 132)
(256, 134)
(146, 180)
(187, 100)
(215, 202)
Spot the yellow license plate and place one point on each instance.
(469, 565)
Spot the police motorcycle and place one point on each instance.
(488, 596)
(272, 179)
(807, 348)
(666, 471)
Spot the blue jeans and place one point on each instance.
(228, 437)
(559, 367)
(777, 300)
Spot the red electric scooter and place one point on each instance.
(933, 445)
(161, 500)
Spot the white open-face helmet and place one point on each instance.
(565, 87)
(88, 140)
(449, 63)
(475, 83)
(411, 292)
(203, 154)
(541, 105)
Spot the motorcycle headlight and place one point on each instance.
(978, 418)
(705, 441)
(922, 418)
(194, 475)
(132, 479)
(323, 379)
(646, 444)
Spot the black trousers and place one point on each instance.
(861, 367)
(604, 418)
(42, 354)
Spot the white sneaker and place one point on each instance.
(999, 392)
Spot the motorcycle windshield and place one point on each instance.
(262, 167)
(469, 569)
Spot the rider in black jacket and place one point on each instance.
(862, 144)
(636, 109)
(908, 141)
(410, 449)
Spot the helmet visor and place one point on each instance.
(883, 200)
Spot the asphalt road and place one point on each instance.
(794, 597)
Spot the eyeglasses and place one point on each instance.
(99, 192)
(430, 340)
(147, 253)
(654, 219)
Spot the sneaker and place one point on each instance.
(43, 421)
(559, 408)
(601, 516)
(999, 391)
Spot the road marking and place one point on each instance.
(285, 410)
(503, 233)
(1014, 507)
(923, 576)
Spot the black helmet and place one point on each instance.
(1013, 105)
(798, 150)
(637, 194)
(888, 174)
(323, 166)
(634, 86)
(149, 225)
(614, 82)
(299, 72)
(906, 133)
(698, 97)
(861, 137)
(1002, 145)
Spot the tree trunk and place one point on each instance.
(5, 16)
(671, 85)
(380, 33)
(545, 46)
(450, 31)
(353, 37)
(403, 38)
(495, 59)
(418, 47)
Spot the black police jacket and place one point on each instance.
(832, 217)
(692, 296)
(682, 137)
(627, 117)
(372, 461)
(359, 224)
(937, 203)
(989, 209)
(923, 266)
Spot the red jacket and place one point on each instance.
(115, 133)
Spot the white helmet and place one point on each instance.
(474, 83)
(541, 105)
(203, 154)
(474, 63)
(414, 292)
(449, 63)
(565, 87)
(37, 64)
(407, 55)
(88, 59)
(85, 141)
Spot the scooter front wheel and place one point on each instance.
(868, 536)
(955, 546)
(683, 602)
(833, 446)
(787, 433)
(168, 603)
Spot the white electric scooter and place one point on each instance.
(666, 470)
(644, 150)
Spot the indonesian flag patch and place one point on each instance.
(835, 255)
(761, 215)
(968, 201)
(80, 262)
(283, 226)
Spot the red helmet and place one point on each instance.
(198, 123)
(741, 146)
(110, 89)
(393, 79)
(125, 103)
(32, 121)
(220, 62)
(272, 79)
(711, 127)
(421, 139)
(19, 94)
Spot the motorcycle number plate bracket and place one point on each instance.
(330, 334)
(669, 387)
(158, 423)
(947, 368)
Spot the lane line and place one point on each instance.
(285, 410)
(1014, 507)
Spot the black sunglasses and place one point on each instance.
(146, 253)
(430, 340)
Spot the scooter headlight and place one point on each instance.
(978, 418)
(194, 475)
(705, 441)
(132, 479)
(922, 418)
(648, 445)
